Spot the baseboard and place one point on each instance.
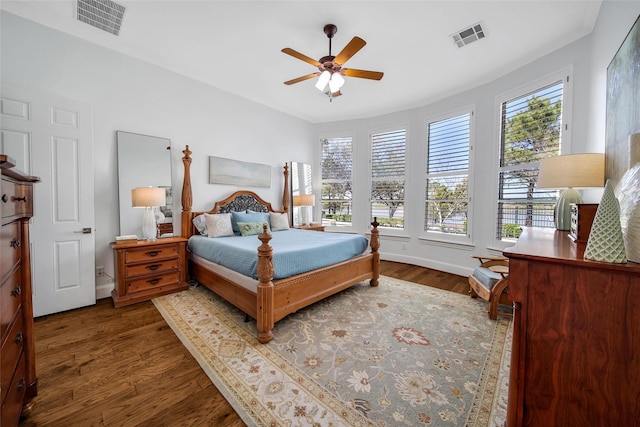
(435, 265)
(104, 286)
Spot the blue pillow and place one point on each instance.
(237, 217)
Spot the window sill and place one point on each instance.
(465, 245)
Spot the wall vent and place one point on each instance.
(468, 35)
(103, 14)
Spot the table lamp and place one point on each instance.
(569, 173)
(148, 198)
(303, 201)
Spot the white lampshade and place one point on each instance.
(143, 197)
(323, 80)
(570, 172)
(304, 200)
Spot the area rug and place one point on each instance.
(396, 354)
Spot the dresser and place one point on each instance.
(17, 355)
(576, 340)
(147, 269)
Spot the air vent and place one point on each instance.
(468, 35)
(103, 14)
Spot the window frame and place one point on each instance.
(566, 76)
(354, 168)
(389, 231)
(460, 239)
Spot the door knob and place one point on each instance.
(85, 230)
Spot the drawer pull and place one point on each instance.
(21, 384)
(19, 338)
(15, 243)
(19, 199)
(154, 281)
(16, 291)
(153, 253)
(153, 267)
(5, 198)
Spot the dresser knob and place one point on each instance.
(153, 267)
(154, 281)
(19, 199)
(16, 291)
(15, 243)
(18, 339)
(5, 198)
(153, 253)
(21, 384)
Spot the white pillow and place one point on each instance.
(200, 223)
(219, 225)
(279, 221)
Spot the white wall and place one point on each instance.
(588, 57)
(134, 96)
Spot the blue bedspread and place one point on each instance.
(294, 251)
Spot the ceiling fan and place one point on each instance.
(330, 72)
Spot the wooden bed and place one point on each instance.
(274, 299)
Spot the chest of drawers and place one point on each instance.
(17, 352)
(147, 269)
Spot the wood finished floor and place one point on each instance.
(100, 366)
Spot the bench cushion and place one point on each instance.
(487, 277)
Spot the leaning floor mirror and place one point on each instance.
(302, 197)
(144, 161)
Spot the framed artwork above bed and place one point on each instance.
(236, 172)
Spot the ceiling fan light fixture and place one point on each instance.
(323, 80)
(336, 82)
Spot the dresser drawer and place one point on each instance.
(151, 253)
(16, 199)
(10, 300)
(10, 243)
(151, 267)
(11, 349)
(152, 282)
(12, 403)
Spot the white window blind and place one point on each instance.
(337, 162)
(531, 129)
(447, 186)
(388, 177)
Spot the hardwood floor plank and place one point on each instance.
(100, 366)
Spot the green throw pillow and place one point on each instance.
(252, 228)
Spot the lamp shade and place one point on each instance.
(143, 197)
(304, 200)
(572, 171)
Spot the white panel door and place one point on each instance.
(56, 135)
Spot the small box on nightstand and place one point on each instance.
(582, 215)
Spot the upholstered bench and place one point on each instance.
(489, 281)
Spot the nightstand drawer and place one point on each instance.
(11, 247)
(151, 267)
(151, 253)
(152, 282)
(12, 404)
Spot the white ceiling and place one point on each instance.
(235, 45)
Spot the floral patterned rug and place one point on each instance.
(397, 354)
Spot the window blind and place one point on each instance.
(337, 164)
(388, 177)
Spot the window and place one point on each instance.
(531, 129)
(388, 177)
(337, 162)
(447, 186)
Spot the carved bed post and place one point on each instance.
(375, 245)
(265, 289)
(285, 193)
(187, 197)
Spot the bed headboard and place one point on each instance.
(239, 201)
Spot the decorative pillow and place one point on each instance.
(252, 228)
(279, 221)
(237, 217)
(219, 225)
(200, 223)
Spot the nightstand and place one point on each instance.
(311, 227)
(147, 269)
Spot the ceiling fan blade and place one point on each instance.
(349, 50)
(362, 74)
(300, 56)
(301, 79)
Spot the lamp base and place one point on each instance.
(149, 230)
(562, 212)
